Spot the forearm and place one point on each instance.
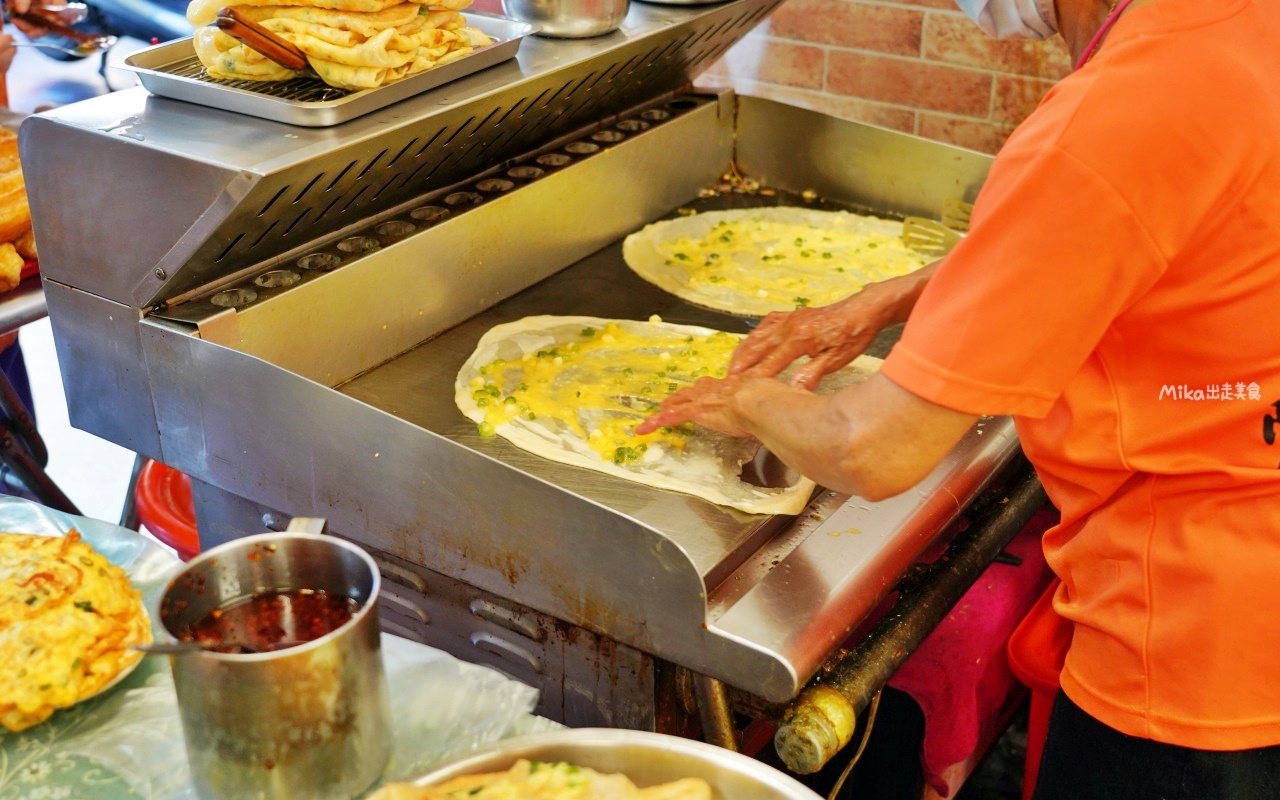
(874, 440)
(899, 295)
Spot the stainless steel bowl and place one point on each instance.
(568, 19)
(646, 758)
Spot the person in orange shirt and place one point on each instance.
(1118, 293)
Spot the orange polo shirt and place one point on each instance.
(1119, 293)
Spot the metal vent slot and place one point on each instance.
(384, 186)
(334, 182)
(258, 241)
(430, 142)
(307, 188)
(403, 150)
(273, 200)
(353, 200)
(229, 247)
(535, 102)
(369, 166)
(332, 203)
(289, 230)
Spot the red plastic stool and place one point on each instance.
(1037, 649)
(165, 508)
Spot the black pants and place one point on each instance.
(1086, 760)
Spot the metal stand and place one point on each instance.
(24, 455)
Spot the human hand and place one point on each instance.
(7, 52)
(708, 402)
(831, 336)
(25, 20)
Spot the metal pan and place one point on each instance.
(172, 70)
(646, 758)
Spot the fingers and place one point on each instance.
(764, 338)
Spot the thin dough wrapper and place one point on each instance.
(753, 261)
(706, 464)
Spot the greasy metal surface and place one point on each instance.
(172, 70)
(862, 165)
(220, 193)
(242, 400)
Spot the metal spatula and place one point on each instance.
(929, 237)
(955, 214)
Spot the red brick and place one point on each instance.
(905, 82)
(848, 23)
(1015, 98)
(769, 60)
(954, 39)
(949, 4)
(974, 134)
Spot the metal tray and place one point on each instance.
(172, 70)
(646, 758)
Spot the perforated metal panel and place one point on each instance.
(286, 210)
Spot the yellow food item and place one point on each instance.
(753, 261)
(618, 376)
(573, 389)
(540, 780)
(350, 44)
(17, 242)
(10, 267)
(67, 616)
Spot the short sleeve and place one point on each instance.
(1054, 255)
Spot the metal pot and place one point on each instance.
(308, 721)
(569, 19)
(644, 757)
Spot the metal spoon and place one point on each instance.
(184, 648)
(84, 49)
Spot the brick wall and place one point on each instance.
(918, 66)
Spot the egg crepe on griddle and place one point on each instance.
(573, 389)
(754, 261)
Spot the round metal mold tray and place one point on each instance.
(582, 148)
(395, 228)
(319, 262)
(495, 185)
(608, 137)
(463, 199)
(553, 159)
(429, 215)
(655, 114)
(526, 173)
(358, 244)
(633, 125)
(277, 279)
(234, 298)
